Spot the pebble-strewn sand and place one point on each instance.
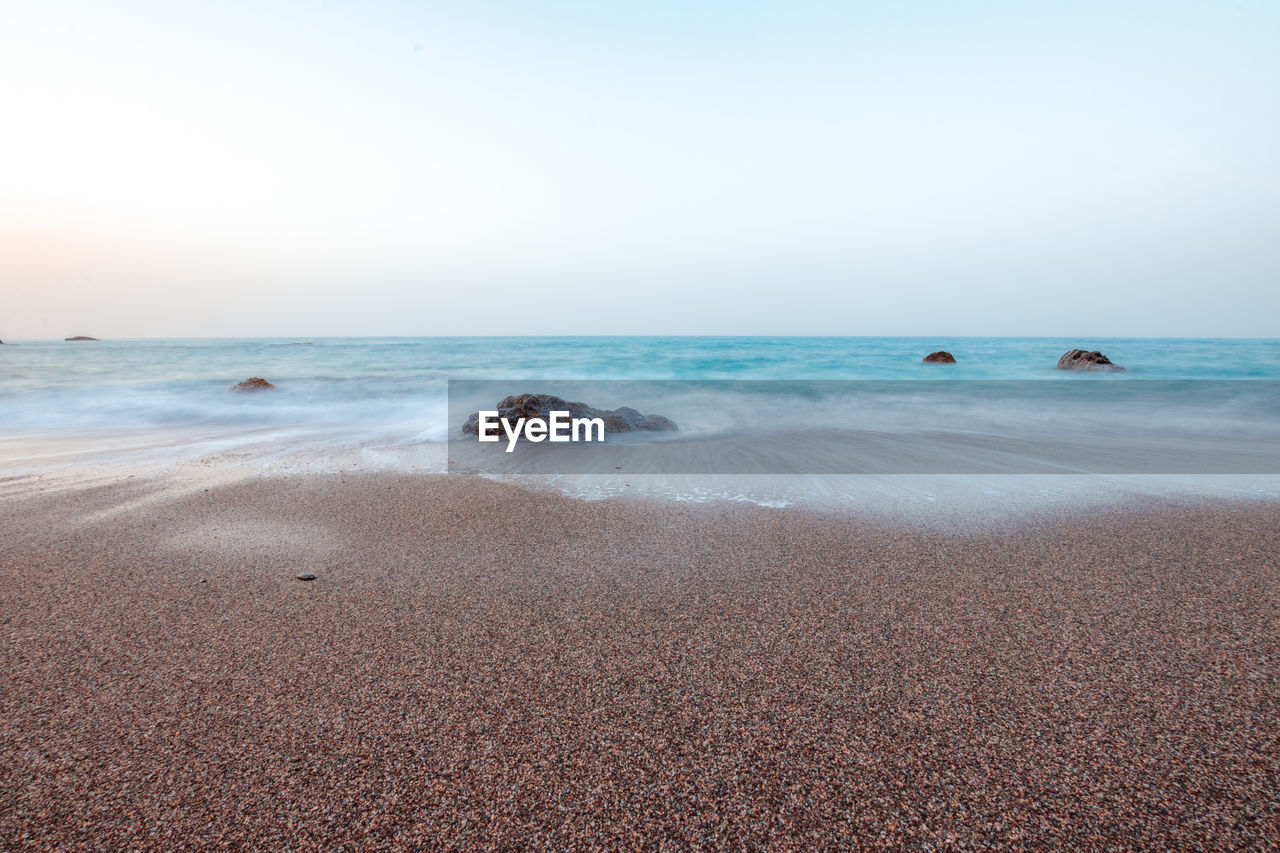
(479, 667)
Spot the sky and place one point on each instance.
(382, 168)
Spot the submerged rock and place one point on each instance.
(253, 383)
(624, 419)
(80, 338)
(1078, 359)
(939, 357)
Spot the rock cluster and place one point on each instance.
(1076, 359)
(253, 383)
(624, 419)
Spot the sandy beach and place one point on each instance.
(479, 666)
(561, 426)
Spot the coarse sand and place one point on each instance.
(478, 666)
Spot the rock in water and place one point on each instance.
(624, 419)
(80, 338)
(1078, 359)
(940, 357)
(306, 576)
(253, 383)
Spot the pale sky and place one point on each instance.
(914, 168)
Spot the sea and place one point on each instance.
(383, 403)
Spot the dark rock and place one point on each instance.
(624, 419)
(80, 338)
(1078, 359)
(306, 576)
(940, 357)
(253, 383)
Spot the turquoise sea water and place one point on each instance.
(395, 387)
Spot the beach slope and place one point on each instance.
(481, 667)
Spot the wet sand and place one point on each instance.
(479, 666)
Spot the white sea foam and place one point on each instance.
(160, 408)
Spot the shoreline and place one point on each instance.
(177, 461)
(478, 664)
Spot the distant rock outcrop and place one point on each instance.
(624, 419)
(253, 383)
(1078, 359)
(80, 338)
(940, 357)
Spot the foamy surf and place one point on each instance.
(161, 409)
